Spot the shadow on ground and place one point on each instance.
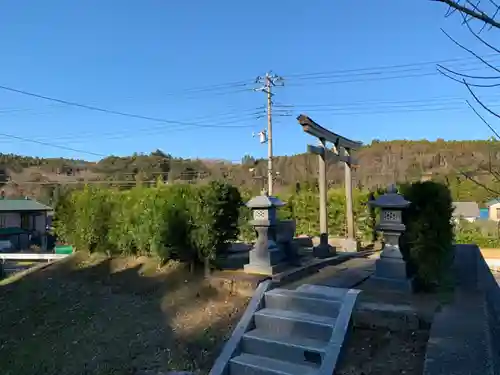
(108, 316)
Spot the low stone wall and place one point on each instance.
(464, 337)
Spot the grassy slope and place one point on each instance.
(111, 317)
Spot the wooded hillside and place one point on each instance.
(380, 164)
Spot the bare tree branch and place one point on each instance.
(450, 11)
(466, 175)
(495, 14)
(483, 120)
(474, 6)
(479, 101)
(468, 11)
(494, 4)
(466, 75)
(480, 15)
(470, 51)
(481, 39)
(469, 84)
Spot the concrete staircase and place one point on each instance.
(289, 332)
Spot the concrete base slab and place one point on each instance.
(274, 256)
(384, 315)
(404, 285)
(263, 269)
(324, 251)
(390, 268)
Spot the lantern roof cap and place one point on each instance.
(391, 199)
(264, 201)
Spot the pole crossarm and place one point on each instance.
(316, 130)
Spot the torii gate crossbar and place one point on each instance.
(342, 151)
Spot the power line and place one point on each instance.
(148, 131)
(364, 79)
(387, 67)
(50, 144)
(337, 112)
(440, 99)
(211, 88)
(388, 108)
(113, 112)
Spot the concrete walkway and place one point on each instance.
(345, 275)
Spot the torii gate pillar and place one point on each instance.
(342, 152)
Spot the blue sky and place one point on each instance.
(143, 57)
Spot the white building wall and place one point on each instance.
(492, 211)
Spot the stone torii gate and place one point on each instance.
(341, 151)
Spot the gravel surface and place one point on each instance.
(381, 352)
(112, 318)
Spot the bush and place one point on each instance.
(304, 208)
(428, 239)
(64, 218)
(83, 219)
(246, 231)
(186, 222)
(152, 221)
(215, 213)
(484, 233)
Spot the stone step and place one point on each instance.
(294, 349)
(324, 291)
(293, 323)
(248, 364)
(285, 299)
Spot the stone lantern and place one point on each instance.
(266, 257)
(391, 267)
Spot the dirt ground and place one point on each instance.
(100, 316)
(124, 316)
(381, 352)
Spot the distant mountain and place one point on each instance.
(379, 164)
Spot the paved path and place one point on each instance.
(344, 275)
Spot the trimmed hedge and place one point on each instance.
(303, 207)
(484, 233)
(187, 222)
(427, 243)
(195, 223)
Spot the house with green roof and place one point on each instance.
(21, 219)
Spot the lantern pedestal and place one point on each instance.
(266, 258)
(390, 269)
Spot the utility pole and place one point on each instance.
(269, 81)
